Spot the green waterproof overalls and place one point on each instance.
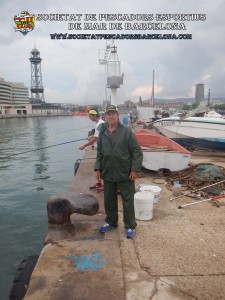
(117, 155)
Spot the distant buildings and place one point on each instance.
(14, 99)
(129, 104)
(199, 93)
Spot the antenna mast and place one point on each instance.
(153, 88)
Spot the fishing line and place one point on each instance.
(45, 147)
(87, 128)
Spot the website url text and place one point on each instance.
(68, 36)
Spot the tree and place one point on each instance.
(194, 105)
(186, 107)
(219, 106)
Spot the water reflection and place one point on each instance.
(14, 138)
(11, 129)
(39, 138)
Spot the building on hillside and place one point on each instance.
(14, 98)
(129, 104)
(177, 105)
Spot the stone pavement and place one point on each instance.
(179, 254)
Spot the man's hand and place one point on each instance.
(98, 175)
(82, 147)
(133, 175)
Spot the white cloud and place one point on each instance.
(146, 91)
(70, 68)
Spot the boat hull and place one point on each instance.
(156, 161)
(212, 144)
(159, 152)
(199, 132)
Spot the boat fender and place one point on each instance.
(22, 278)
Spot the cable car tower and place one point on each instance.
(109, 57)
(37, 90)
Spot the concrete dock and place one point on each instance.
(178, 254)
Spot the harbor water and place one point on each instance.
(28, 178)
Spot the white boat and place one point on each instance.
(160, 152)
(203, 132)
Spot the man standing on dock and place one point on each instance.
(95, 117)
(118, 162)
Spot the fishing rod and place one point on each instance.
(201, 201)
(46, 147)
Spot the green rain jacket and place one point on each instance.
(117, 154)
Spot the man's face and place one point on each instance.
(112, 117)
(91, 117)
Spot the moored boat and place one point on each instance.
(160, 152)
(202, 132)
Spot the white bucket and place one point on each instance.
(151, 188)
(143, 205)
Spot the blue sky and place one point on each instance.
(70, 68)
